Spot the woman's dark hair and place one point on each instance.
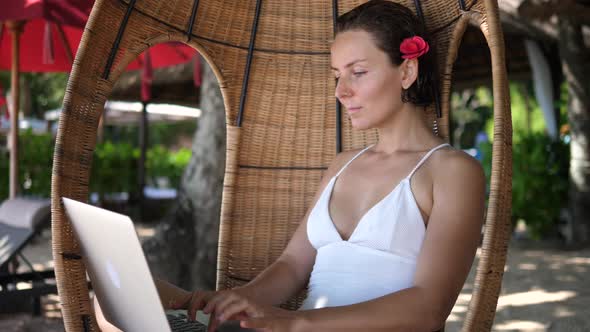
(390, 23)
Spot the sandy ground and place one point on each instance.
(544, 289)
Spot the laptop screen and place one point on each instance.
(117, 268)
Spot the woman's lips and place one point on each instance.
(352, 110)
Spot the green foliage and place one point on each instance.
(167, 133)
(540, 165)
(4, 185)
(471, 109)
(46, 90)
(539, 180)
(519, 117)
(114, 166)
(159, 133)
(5, 79)
(35, 162)
(161, 162)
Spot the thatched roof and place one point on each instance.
(473, 65)
(521, 19)
(172, 85)
(537, 19)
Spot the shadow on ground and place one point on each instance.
(544, 289)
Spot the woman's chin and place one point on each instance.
(359, 125)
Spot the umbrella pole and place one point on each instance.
(16, 28)
(143, 142)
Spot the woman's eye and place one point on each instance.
(359, 73)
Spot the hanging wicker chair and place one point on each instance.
(283, 123)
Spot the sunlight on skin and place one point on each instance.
(519, 325)
(533, 297)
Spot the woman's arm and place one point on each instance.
(103, 323)
(169, 293)
(451, 240)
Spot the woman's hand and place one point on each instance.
(234, 305)
(194, 301)
(221, 303)
(273, 319)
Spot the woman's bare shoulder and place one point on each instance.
(455, 167)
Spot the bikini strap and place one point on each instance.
(353, 158)
(426, 157)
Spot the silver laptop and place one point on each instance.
(118, 270)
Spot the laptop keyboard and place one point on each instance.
(179, 323)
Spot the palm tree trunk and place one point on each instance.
(184, 247)
(574, 59)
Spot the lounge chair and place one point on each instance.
(21, 219)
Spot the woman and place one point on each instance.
(395, 257)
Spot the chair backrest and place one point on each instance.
(20, 220)
(25, 212)
(272, 60)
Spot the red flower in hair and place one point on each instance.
(413, 47)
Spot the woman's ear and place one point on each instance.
(409, 72)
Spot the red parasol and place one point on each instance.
(14, 16)
(47, 46)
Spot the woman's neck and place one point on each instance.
(406, 130)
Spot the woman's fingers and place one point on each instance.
(260, 324)
(197, 302)
(180, 304)
(239, 316)
(213, 323)
(191, 311)
(221, 297)
(218, 303)
(235, 308)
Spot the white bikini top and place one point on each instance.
(379, 258)
(394, 224)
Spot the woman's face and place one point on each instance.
(368, 85)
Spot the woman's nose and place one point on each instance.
(342, 89)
